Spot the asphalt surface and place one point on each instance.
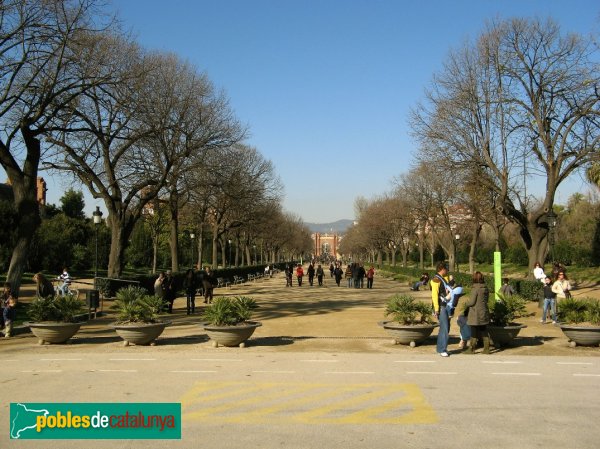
(319, 373)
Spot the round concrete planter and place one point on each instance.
(52, 332)
(504, 335)
(231, 335)
(581, 335)
(139, 333)
(408, 334)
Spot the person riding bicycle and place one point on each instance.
(66, 282)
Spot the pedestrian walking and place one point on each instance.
(370, 276)
(320, 274)
(311, 273)
(190, 286)
(479, 315)
(549, 301)
(338, 273)
(299, 274)
(438, 297)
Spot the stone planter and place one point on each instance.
(139, 333)
(408, 334)
(231, 335)
(581, 335)
(53, 332)
(504, 335)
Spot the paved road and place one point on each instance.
(310, 400)
(320, 374)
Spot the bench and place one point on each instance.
(222, 282)
(238, 280)
(250, 277)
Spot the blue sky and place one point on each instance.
(326, 86)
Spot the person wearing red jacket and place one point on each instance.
(299, 274)
(370, 276)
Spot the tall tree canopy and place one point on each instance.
(520, 102)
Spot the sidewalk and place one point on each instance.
(304, 319)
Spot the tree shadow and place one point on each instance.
(270, 341)
(183, 340)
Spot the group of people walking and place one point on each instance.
(8, 303)
(474, 320)
(556, 287)
(193, 282)
(355, 274)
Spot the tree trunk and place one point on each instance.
(223, 253)
(174, 225)
(24, 184)
(28, 220)
(215, 246)
(154, 253)
(452, 259)
(432, 250)
(173, 244)
(248, 256)
(474, 241)
(538, 248)
(118, 243)
(200, 245)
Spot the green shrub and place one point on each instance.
(405, 309)
(572, 310)
(504, 311)
(593, 312)
(528, 289)
(62, 309)
(133, 305)
(226, 311)
(579, 310)
(517, 255)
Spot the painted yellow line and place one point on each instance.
(239, 403)
(229, 389)
(365, 403)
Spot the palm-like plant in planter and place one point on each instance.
(412, 321)
(54, 318)
(227, 320)
(580, 320)
(502, 328)
(137, 316)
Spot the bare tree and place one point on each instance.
(41, 71)
(194, 120)
(235, 182)
(106, 143)
(522, 101)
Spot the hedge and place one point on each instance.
(528, 289)
(110, 286)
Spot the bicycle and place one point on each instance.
(69, 291)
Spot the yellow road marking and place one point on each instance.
(257, 403)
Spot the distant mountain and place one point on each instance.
(338, 227)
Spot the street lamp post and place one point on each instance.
(192, 236)
(254, 246)
(456, 238)
(229, 241)
(97, 214)
(551, 217)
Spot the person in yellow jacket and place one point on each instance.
(438, 297)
